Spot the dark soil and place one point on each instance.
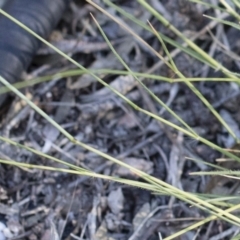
(35, 202)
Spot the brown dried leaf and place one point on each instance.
(128, 120)
(102, 232)
(115, 201)
(141, 215)
(139, 164)
(109, 62)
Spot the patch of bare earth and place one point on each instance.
(37, 204)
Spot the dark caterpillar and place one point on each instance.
(17, 47)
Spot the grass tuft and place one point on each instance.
(217, 207)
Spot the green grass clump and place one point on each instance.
(216, 206)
